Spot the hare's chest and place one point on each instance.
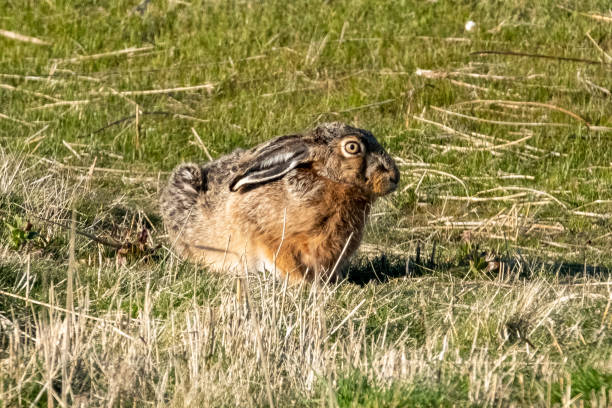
(342, 209)
(320, 209)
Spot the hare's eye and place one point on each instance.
(352, 148)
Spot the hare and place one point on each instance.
(296, 205)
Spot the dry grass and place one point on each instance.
(149, 335)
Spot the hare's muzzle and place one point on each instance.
(393, 179)
(382, 174)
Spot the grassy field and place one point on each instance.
(484, 281)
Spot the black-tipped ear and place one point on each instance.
(271, 165)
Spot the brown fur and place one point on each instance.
(299, 207)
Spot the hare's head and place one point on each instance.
(354, 156)
(336, 151)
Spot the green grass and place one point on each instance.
(514, 305)
(356, 391)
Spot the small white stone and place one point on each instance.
(470, 25)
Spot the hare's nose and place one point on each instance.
(394, 176)
(392, 171)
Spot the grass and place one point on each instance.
(484, 281)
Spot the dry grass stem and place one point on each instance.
(526, 189)
(524, 103)
(592, 214)
(510, 197)
(37, 136)
(592, 85)
(23, 38)
(498, 122)
(25, 91)
(106, 322)
(594, 16)
(21, 122)
(99, 169)
(426, 73)
(201, 144)
(471, 86)
(473, 138)
(540, 56)
(74, 153)
(187, 117)
(607, 56)
(445, 174)
(209, 87)
(36, 78)
(130, 50)
(60, 103)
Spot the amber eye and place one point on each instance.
(352, 148)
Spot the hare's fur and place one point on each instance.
(293, 205)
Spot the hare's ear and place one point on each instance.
(271, 165)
